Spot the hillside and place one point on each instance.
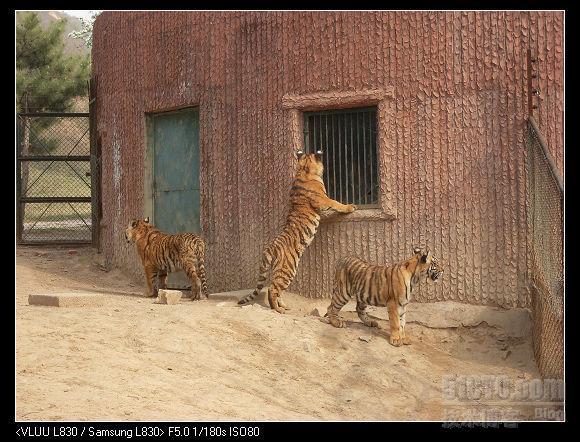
(71, 45)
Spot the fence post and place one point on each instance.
(95, 152)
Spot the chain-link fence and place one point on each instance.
(545, 233)
(54, 171)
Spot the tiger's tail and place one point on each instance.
(264, 269)
(201, 267)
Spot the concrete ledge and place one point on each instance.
(67, 300)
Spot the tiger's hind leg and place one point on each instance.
(282, 277)
(162, 276)
(273, 296)
(196, 286)
(364, 317)
(340, 297)
(281, 303)
(151, 277)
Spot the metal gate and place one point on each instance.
(54, 191)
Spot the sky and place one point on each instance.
(86, 14)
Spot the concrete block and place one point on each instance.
(67, 299)
(170, 297)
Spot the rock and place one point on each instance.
(67, 300)
(72, 252)
(403, 361)
(506, 354)
(365, 338)
(170, 297)
(221, 304)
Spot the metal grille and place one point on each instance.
(348, 140)
(54, 178)
(545, 236)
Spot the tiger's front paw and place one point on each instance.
(395, 339)
(350, 208)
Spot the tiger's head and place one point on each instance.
(427, 265)
(136, 229)
(310, 163)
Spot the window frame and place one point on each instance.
(294, 105)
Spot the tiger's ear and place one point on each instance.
(416, 250)
(298, 153)
(146, 220)
(426, 256)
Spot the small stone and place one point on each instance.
(365, 338)
(169, 368)
(504, 347)
(315, 312)
(221, 304)
(72, 252)
(403, 361)
(344, 346)
(170, 297)
(506, 354)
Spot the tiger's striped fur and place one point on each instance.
(382, 286)
(162, 253)
(282, 255)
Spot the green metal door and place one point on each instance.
(176, 196)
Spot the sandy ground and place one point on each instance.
(132, 359)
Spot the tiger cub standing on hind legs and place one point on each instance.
(281, 257)
(382, 286)
(162, 253)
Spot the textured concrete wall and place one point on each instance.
(450, 134)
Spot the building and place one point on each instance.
(198, 115)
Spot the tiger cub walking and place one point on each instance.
(162, 253)
(281, 257)
(382, 286)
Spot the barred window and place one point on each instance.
(348, 140)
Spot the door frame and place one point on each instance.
(149, 160)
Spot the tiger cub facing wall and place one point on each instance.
(281, 257)
(162, 253)
(382, 286)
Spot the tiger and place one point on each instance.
(162, 253)
(382, 286)
(281, 257)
